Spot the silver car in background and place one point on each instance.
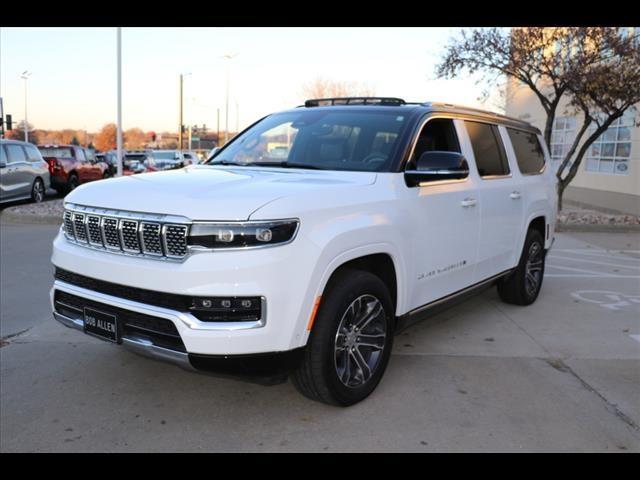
(23, 172)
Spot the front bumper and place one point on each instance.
(265, 368)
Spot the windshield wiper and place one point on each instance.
(285, 164)
(227, 162)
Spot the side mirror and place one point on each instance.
(435, 166)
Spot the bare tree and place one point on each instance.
(322, 87)
(596, 69)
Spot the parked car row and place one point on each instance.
(26, 171)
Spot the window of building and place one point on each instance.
(562, 136)
(611, 151)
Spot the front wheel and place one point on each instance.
(523, 285)
(350, 344)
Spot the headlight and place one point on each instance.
(242, 234)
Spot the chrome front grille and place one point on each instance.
(126, 232)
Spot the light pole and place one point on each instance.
(180, 139)
(227, 56)
(119, 114)
(25, 76)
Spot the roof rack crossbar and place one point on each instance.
(318, 102)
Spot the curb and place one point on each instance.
(596, 228)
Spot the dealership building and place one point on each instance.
(609, 177)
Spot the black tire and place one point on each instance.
(37, 191)
(317, 375)
(72, 183)
(518, 288)
(106, 174)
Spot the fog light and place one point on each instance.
(264, 234)
(225, 236)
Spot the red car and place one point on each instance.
(72, 165)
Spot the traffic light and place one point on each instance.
(9, 122)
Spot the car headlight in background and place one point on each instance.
(242, 234)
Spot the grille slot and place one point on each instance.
(68, 224)
(93, 230)
(80, 227)
(129, 235)
(175, 240)
(150, 238)
(110, 233)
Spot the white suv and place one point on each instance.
(302, 246)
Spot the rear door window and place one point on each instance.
(80, 155)
(528, 151)
(488, 150)
(15, 154)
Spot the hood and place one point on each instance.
(202, 192)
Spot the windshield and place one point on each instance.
(318, 139)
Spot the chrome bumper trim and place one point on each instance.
(137, 345)
(175, 316)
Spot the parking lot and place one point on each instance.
(561, 375)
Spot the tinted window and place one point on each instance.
(437, 135)
(15, 154)
(528, 151)
(33, 154)
(487, 148)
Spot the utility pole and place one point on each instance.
(237, 117)
(25, 76)
(119, 118)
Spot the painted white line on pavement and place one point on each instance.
(573, 269)
(633, 267)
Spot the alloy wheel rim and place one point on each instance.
(533, 269)
(38, 192)
(360, 341)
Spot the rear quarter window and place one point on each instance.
(15, 153)
(528, 151)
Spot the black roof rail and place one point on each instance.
(388, 101)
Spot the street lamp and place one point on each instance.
(25, 76)
(227, 56)
(180, 140)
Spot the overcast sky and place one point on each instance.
(73, 84)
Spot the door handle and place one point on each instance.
(469, 202)
(515, 195)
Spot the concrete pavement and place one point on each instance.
(561, 375)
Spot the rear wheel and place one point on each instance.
(350, 344)
(72, 183)
(37, 191)
(523, 285)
